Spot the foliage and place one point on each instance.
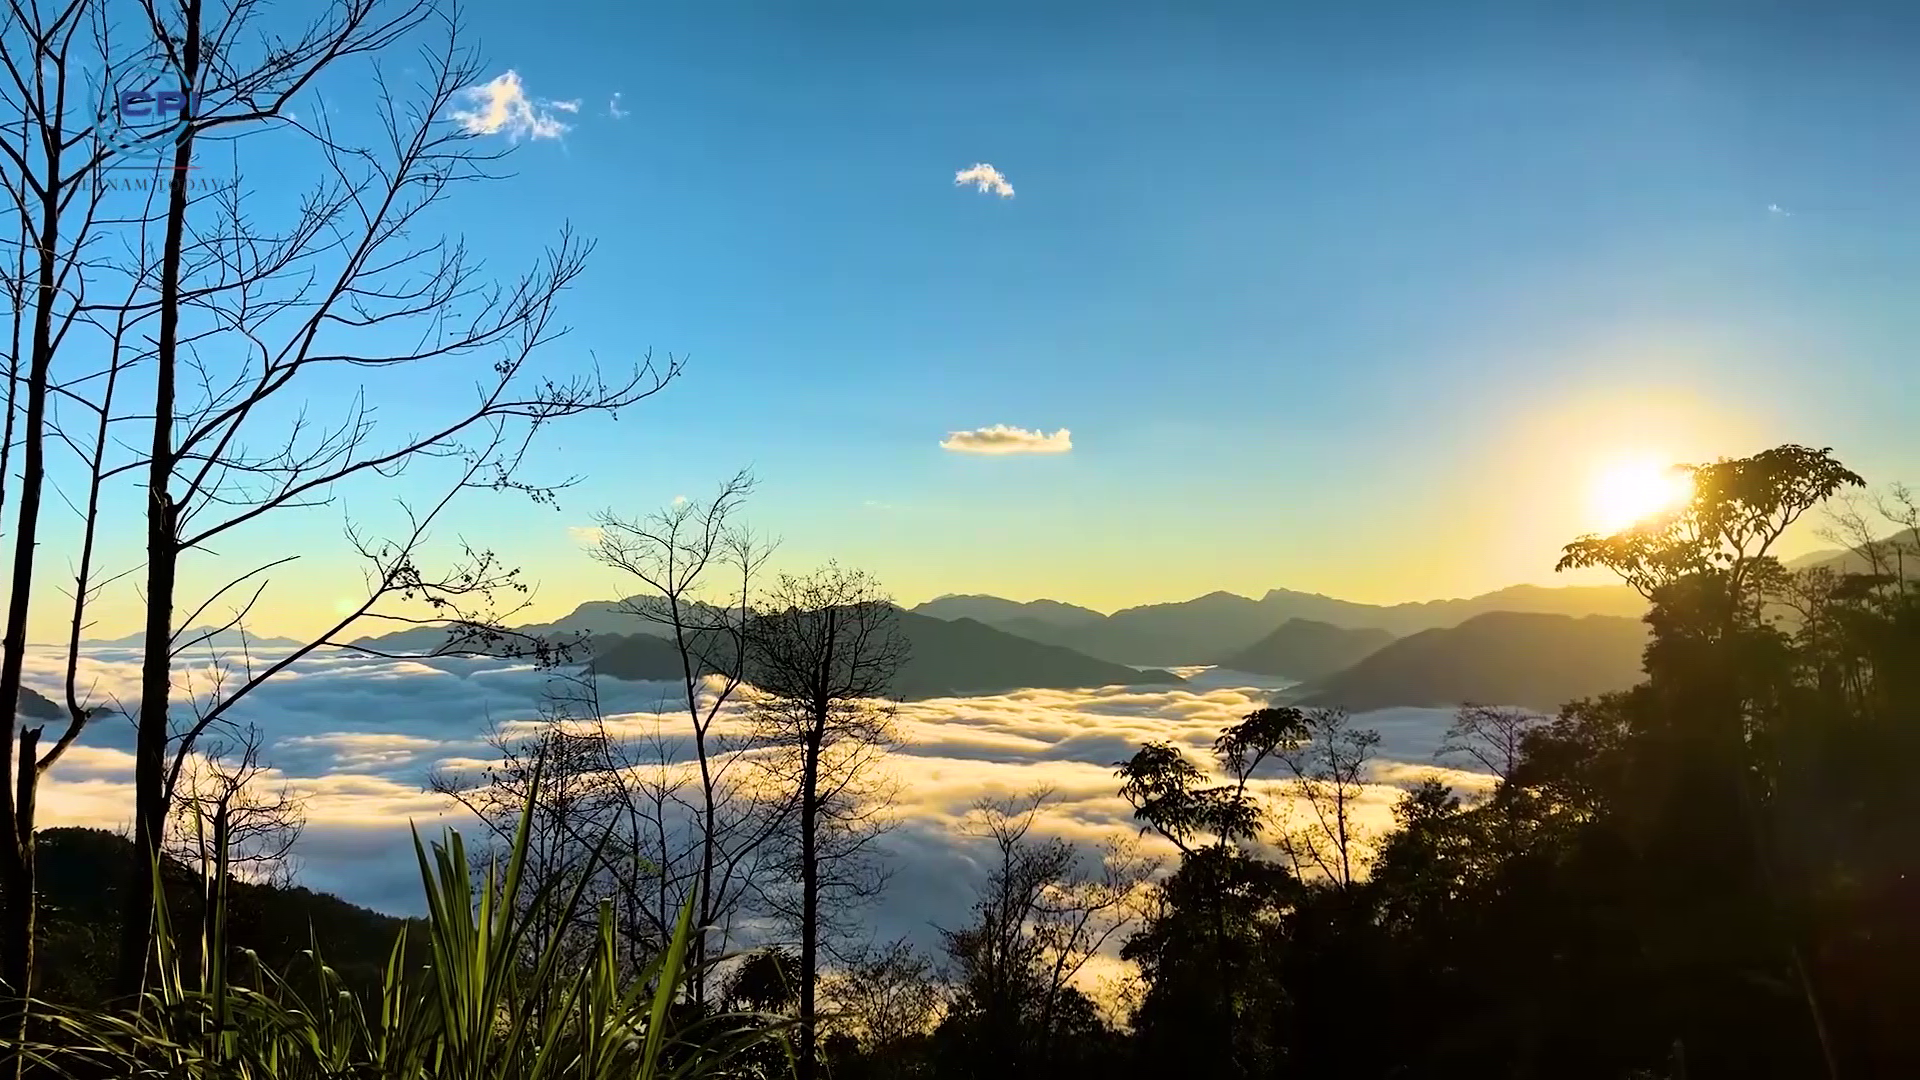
(1712, 874)
(481, 1003)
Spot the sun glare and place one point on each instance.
(1628, 492)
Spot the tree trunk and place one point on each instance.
(16, 947)
(16, 868)
(809, 906)
(17, 879)
(707, 912)
(156, 670)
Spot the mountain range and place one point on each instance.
(203, 637)
(945, 658)
(1208, 628)
(1526, 645)
(979, 644)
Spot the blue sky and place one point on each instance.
(1351, 299)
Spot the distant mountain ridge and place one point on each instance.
(1528, 659)
(203, 637)
(946, 658)
(1206, 628)
(993, 610)
(1902, 550)
(1304, 649)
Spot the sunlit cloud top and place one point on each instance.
(1006, 439)
(502, 107)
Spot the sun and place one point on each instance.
(1631, 490)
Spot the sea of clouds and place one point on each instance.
(356, 737)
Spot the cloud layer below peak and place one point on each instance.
(1007, 439)
(356, 737)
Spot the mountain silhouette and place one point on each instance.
(205, 637)
(80, 871)
(1528, 659)
(995, 611)
(945, 658)
(1306, 649)
(1901, 549)
(1198, 631)
(36, 706)
(1206, 628)
(595, 618)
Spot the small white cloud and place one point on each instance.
(986, 178)
(501, 107)
(679, 500)
(567, 106)
(1006, 439)
(613, 107)
(588, 535)
(1778, 210)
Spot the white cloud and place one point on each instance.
(986, 178)
(567, 106)
(502, 107)
(585, 535)
(1779, 211)
(357, 736)
(1006, 439)
(613, 107)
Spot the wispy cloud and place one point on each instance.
(613, 107)
(1778, 211)
(1006, 439)
(986, 178)
(502, 107)
(588, 535)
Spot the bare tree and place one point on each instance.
(1329, 768)
(699, 565)
(882, 995)
(49, 165)
(1858, 525)
(236, 322)
(578, 826)
(1039, 919)
(823, 656)
(1490, 735)
(225, 813)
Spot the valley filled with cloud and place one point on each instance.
(356, 737)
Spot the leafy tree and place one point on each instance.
(1206, 950)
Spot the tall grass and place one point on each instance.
(485, 996)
